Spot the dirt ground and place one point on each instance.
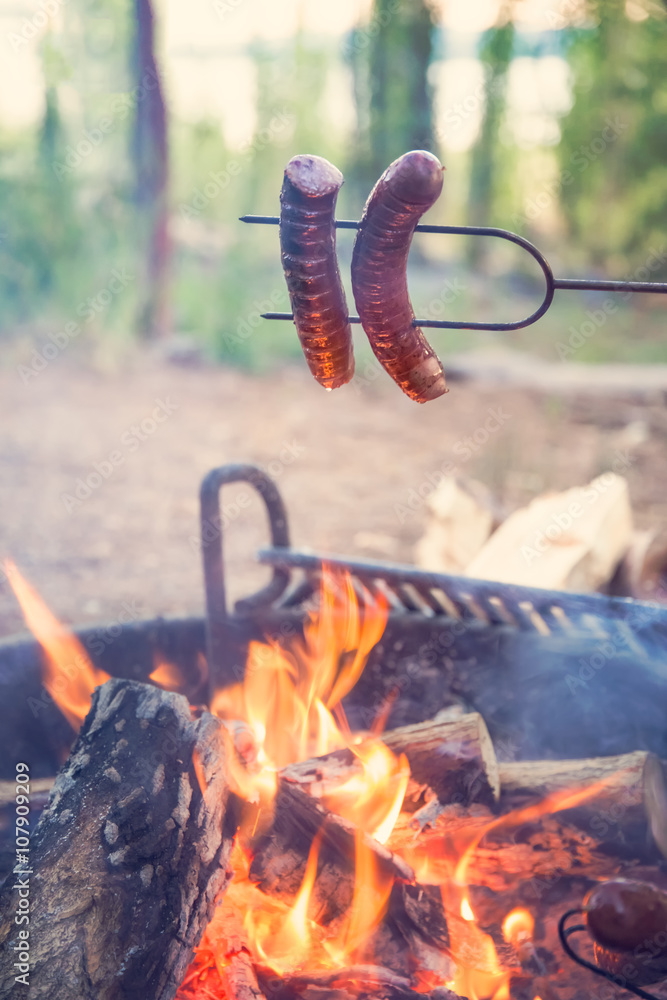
(100, 471)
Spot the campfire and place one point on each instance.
(257, 842)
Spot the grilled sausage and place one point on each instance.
(628, 923)
(407, 188)
(308, 252)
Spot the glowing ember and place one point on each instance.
(68, 676)
(518, 927)
(466, 910)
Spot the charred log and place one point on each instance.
(129, 854)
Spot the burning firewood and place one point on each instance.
(129, 855)
(280, 856)
(454, 758)
(628, 800)
(409, 929)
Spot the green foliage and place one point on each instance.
(390, 58)
(613, 152)
(489, 159)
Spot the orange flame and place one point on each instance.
(479, 973)
(372, 798)
(288, 698)
(167, 676)
(288, 709)
(371, 895)
(68, 675)
(286, 946)
(518, 927)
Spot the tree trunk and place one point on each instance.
(150, 155)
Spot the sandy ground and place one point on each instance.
(352, 466)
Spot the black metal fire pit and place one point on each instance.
(554, 674)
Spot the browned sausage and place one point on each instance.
(407, 188)
(308, 252)
(628, 923)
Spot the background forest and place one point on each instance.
(120, 189)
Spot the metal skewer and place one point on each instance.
(552, 283)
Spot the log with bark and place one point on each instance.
(413, 931)
(280, 854)
(129, 855)
(452, 757)
(628, 803)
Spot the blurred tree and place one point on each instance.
(390, 58)
(150, 157)
(496, 55)
(613, 153)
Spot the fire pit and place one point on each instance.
(459, 887)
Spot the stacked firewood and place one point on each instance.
(582, 539)
(131, 856)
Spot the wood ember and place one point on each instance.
(130, 853)
(223, 967)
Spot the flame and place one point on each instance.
(518, 927)
(68, 674)
(372, 797)
(290, 699)
(371, 895)
(479, 973)
(285, 945)
(288, 696)
(288, 709)
(167, 676)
